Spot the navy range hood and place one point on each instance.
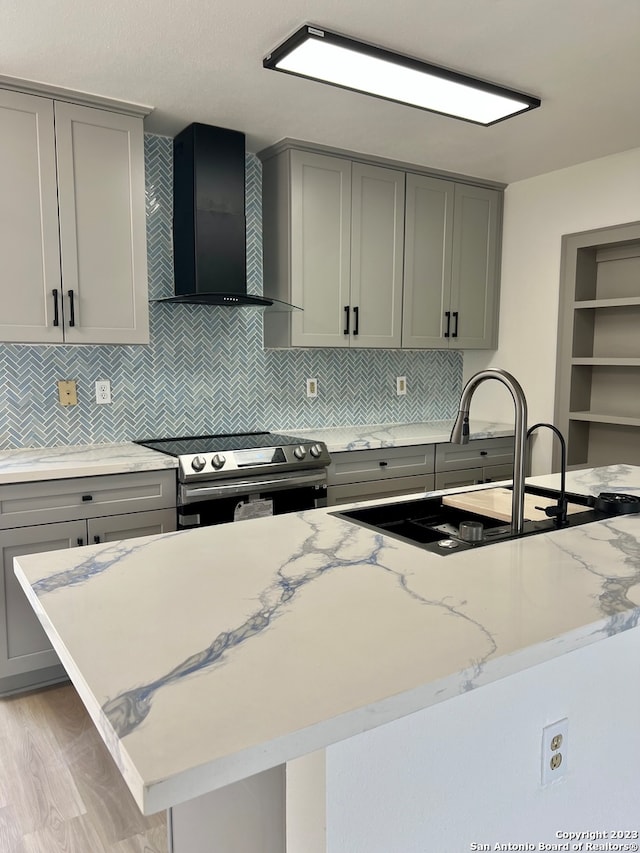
(209, 224)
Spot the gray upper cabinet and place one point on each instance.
(377, 256)
(427, 261)
(377, 237)
(333, 236)
(451, 265)
(73, 240)
(474, 270)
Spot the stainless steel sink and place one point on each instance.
(434, 526)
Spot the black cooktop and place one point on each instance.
(187, 444)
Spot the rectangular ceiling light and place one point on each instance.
(341, 61)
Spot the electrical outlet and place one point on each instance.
(555, 741)
(103, 392)
(401, 385)
(67, 392)
(312, 387)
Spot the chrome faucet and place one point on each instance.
(460, 434)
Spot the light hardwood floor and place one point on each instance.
(60, 791)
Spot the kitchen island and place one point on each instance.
(209, 656)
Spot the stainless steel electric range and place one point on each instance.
(230, 477)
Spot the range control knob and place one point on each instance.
(300, 452)
(218, 461)
(198, 463)
(316, 450)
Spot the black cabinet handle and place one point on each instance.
(96, 539)
(484, 453)
(72, 309)
(454, 334)
(383, 464)
(56, 307)
(87, 498)
(356, 318)
(447, 314)
(346, 319)
(80, 540)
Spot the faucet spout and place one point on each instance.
(460, 433)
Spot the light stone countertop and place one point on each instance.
(208, 655)
(54, 463)
(375, 436)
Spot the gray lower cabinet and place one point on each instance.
(47, 516)
(359, 475)
(482, 460)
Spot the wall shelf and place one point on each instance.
(598, 418)
(598, 369)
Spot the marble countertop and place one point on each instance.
(374, 436)
(54, 463)
(208, 655)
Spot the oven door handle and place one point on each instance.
(248, 487)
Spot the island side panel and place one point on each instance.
(468, 771)
(247, 815)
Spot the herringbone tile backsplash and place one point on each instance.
(205, 369)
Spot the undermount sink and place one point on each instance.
(431, 524)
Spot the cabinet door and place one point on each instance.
(116, 527)
(24, 647)
(101, 198)
(427, 262)
(320, 248)
(377, 239)
(474, 282)
(29, 245)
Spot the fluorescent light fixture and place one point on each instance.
(342, 61)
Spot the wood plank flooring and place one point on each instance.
(60, 791)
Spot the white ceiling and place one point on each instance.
(201, 60)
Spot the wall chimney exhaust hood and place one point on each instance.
(209, 224)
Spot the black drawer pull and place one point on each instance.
(356, 316)
(383, 464)
(87, 498)
(447, 314)
(80, 540)
(96, 539)
(346, 319)
(454, 334)
(484, 453)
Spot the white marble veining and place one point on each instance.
(54, 463)
(375, 436)
(208, 655)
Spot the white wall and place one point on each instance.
(468, 770)
(537, 213)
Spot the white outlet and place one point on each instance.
(312, 387)
(555, 742)
(103, 392)
(401, 385)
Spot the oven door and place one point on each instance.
(216, 502)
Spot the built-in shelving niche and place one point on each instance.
(598, 371)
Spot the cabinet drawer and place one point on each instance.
(494, 473)
(379, 489)
(357, 466)
(51, 501)
(479, 452)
